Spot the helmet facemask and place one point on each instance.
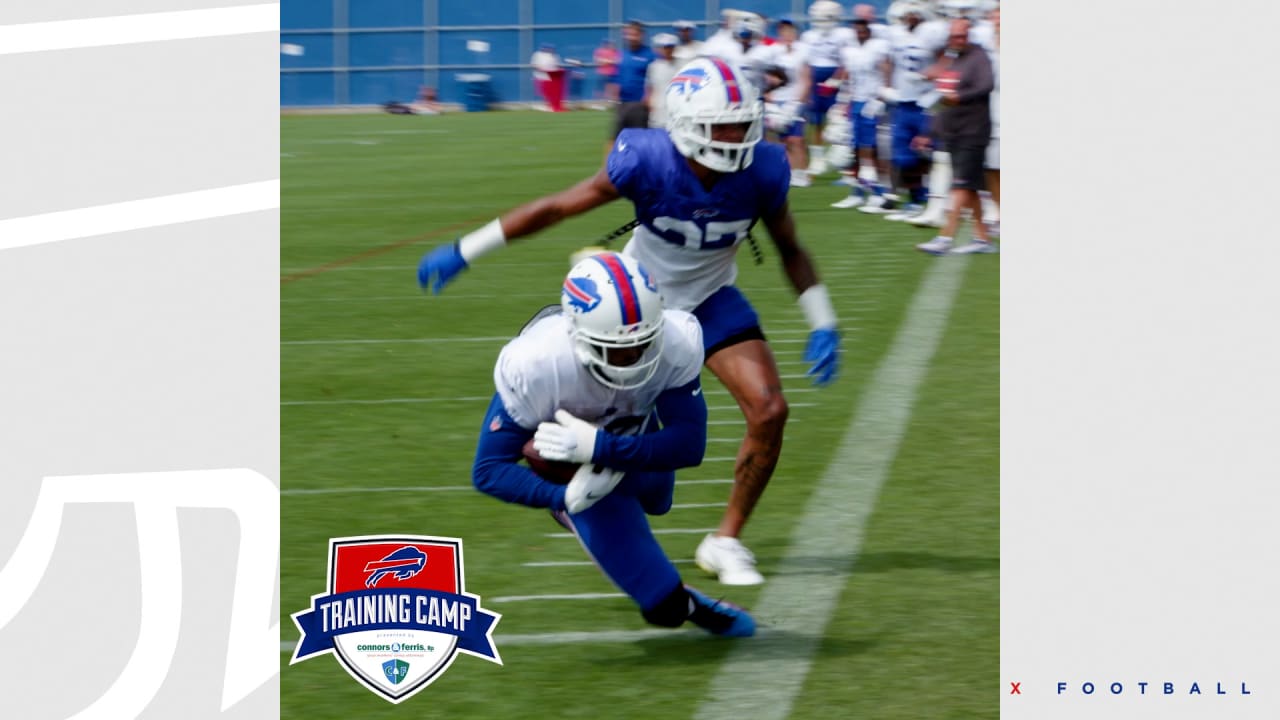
(600, 355)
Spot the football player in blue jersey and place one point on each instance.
(608, 381)
(698, 188)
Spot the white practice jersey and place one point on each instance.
(724, 46)
(863, 64)
(657, 77)
(791, 59)
(690, 275)
(686, 53)
(538, 373)
(824, 45)
(913, 53)
(983, 34)
(880, 31)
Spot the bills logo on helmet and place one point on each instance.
(395, 613)
(582, 293)
(403, 564)
(688, 81)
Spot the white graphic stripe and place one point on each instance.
(760, 679)
(572, 638)
(156, 497)
(130, 29)
(139, 214)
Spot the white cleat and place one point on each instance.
(974, 247)
(877, 205)
(851, 201)
(937, 246)
(727, 559)
(905, 214)
(817, 167)
(800, 179)
(929, 218)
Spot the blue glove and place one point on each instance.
(823, 350)
(443, 264)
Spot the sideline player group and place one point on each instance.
(608, 380)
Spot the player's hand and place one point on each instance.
(568, 439)
(441, 265)
(823, 350)
(872, 108)
(588, 487)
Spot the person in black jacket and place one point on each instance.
(965, 81)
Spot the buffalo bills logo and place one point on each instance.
(403, 563)
(688, 81)
(581, 293)
(648, 281)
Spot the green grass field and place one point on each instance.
(385, 387)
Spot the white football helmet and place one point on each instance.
(614, 305)
(709, 92)
(825, 14)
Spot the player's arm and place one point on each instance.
(497, 471)
(680, 443)
(445, 262)
(823, 348)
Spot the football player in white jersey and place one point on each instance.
(698, 188)
(607, 381)
(786, 105)
(824, 39)
(865, 63)
(915, 45)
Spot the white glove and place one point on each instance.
(568, 439)
(588, 487)
(888, 94)
(872, 108)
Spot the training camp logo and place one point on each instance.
(395, 613)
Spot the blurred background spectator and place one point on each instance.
(548, 77)
(660, 72)
(606, 59)
(689, 47)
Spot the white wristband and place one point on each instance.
(816, 304)
(484, 240)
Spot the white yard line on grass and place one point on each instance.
(761, 677)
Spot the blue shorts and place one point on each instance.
(727, 318)
(819, 103)
(909, 121)
(795, 129)
(864, 129)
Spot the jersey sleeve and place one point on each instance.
(527, 396)
(686, 352)
(625, 164)
(775, 178)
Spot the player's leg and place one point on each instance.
(797, 154)
(616, 534)
(740, 358)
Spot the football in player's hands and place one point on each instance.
(554, 471)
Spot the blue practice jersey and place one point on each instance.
(688, 235)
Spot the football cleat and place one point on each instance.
(853, 200)
(878, 205)
(937, 246)
(975, 246)
(719, 617)
(728, 559)
(907, 212)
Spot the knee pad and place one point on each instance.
(671, 611)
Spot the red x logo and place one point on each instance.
(1017, 688)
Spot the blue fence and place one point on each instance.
(357, 52)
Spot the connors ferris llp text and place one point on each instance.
(1150, 688)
